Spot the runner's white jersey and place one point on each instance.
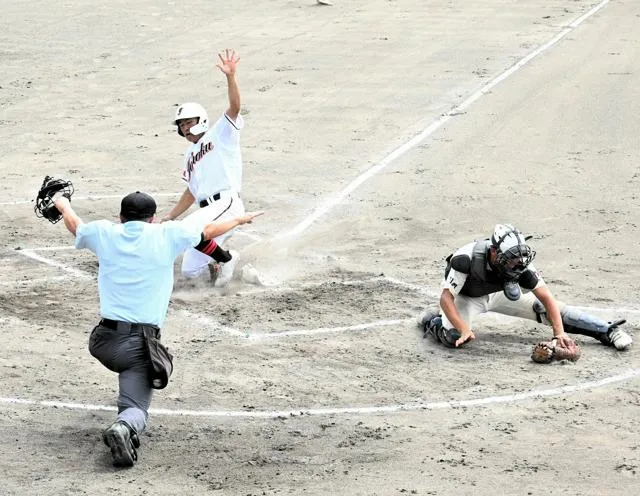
(214, 163)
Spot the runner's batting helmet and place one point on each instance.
(190, 110)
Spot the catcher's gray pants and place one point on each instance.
(469, 307)
(126, 353)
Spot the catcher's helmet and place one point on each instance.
(190, 110)
(513, 255)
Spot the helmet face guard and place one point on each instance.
(513, 255)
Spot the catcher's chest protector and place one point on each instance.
(478, 283)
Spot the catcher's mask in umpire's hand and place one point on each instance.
(45, 200)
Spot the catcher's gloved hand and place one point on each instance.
(548, 351)
(45, 206)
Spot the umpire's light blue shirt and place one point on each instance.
(135, 274)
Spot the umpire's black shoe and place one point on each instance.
(123, 443)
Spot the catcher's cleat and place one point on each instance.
(226, 271)
(425, 318)
(123, 443)
(433, 327)
(620, 339)
(616, 337)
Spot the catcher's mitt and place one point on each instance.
(547, 352)
(45, 206)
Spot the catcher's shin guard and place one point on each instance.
(574, 321)
(608, 333)
(578, 322)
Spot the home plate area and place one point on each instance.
(349, 341)
(344, 301)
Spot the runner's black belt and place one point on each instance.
(210, 200)
(213, 198)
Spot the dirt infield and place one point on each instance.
(379, 137)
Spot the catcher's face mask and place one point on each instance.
(513, 255)
(45, 201)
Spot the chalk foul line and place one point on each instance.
(331, 202)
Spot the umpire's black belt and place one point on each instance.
(118, 325)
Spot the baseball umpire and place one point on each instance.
(135, 281)
(490, 275)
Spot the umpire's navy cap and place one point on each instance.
(137, 206)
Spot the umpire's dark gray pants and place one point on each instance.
(125, 352)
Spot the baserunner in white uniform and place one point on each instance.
(213, 173)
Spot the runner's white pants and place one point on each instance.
(229, 206)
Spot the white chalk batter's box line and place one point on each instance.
(209, 323)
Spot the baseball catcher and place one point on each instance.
(497, 275)
(45, 201)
